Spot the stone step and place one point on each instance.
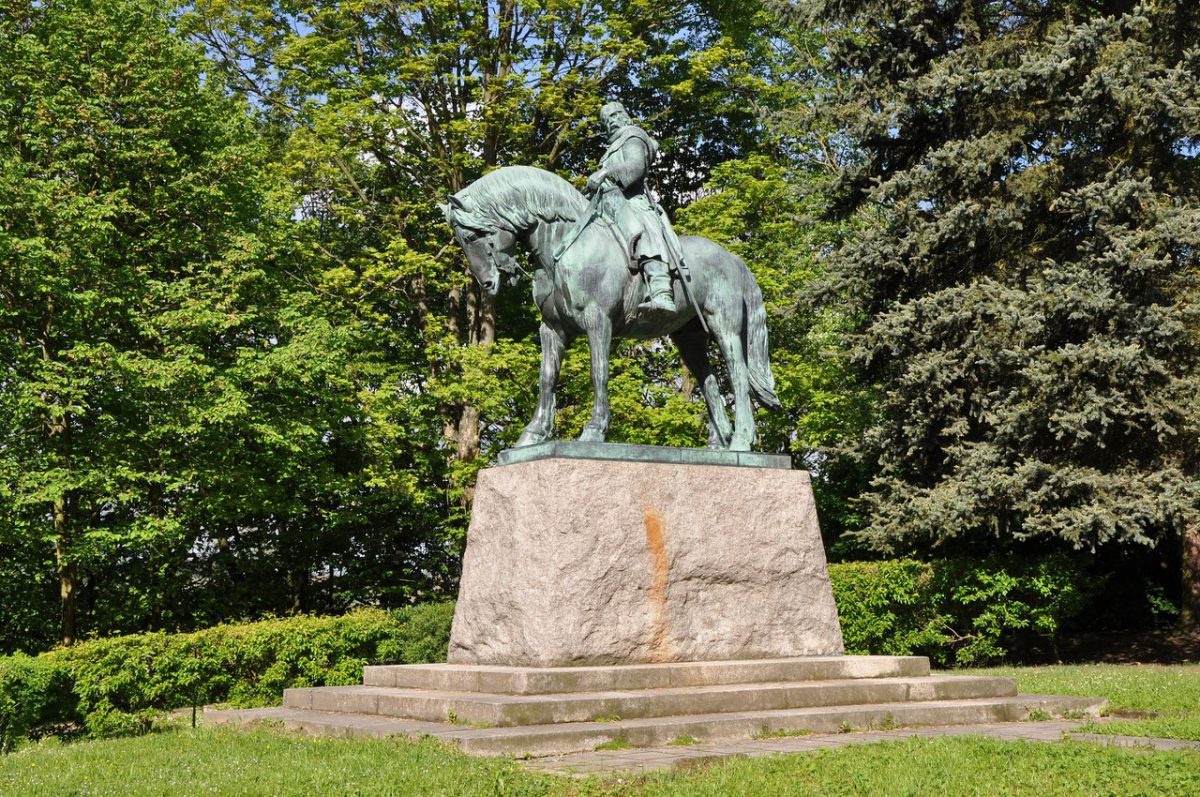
(559, 680)
(556, 739)
(511, 710)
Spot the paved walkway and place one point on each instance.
(603, 762)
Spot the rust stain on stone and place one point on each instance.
(656, 544)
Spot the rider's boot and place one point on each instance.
(658, 278)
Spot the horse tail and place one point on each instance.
(762, 381)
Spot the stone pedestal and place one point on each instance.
(591, 562)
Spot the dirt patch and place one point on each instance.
(1132, 647)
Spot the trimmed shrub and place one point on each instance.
(888, 607)
(118, 685)
(35, 693)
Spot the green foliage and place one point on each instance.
(959, 612)
(1025, 298)
(119, 685)
(887, 607)
(34, 692)
(135, 230)
(998, 605)
(194, 424)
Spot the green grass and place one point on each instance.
(781, 733)
(683, 741)
(216, 761)
(1168, 695)
(234, 764)
(962, 766)
(180, 761)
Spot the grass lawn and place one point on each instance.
(1159, 700)
(218, 761)
(224, 762)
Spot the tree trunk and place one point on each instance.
(297, 581)
(58, 431)
(1190, 597)
(66, 570)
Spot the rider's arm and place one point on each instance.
(633, 166)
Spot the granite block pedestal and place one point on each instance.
(574, 561)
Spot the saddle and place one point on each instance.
(605, 215)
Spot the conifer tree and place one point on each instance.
(1026, 296)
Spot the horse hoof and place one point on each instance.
(739, 445)
(591, 435)
(529, 439)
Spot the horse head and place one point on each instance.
(490, 247)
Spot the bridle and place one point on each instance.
(510, 269)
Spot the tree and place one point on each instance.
(1026, 301)
(128, 243)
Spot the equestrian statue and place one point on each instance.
(613, 267)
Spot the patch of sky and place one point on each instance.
(1188, 146)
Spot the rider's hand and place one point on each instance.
(595, 182)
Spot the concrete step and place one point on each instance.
(559, 680)
(555, 739)
(501, 710)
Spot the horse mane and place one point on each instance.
(515, 198)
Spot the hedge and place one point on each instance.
(115, 686)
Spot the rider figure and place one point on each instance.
(623, 170)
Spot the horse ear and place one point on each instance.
(457, 203)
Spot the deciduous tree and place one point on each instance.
(131, 250)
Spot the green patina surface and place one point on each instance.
(626, 452)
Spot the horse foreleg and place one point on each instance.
(542, 425)
(733, 349)
(692, 341)
(599, 333)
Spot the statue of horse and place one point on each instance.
(591, 290)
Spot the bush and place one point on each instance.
(35, 692)
(1004, 606)
(887, 607)
(118, 685)
(959, 612)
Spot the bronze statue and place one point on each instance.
(622, 181)
(583, 282)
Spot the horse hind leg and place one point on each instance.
(733, 350)
(692, 341)
(540, 428)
